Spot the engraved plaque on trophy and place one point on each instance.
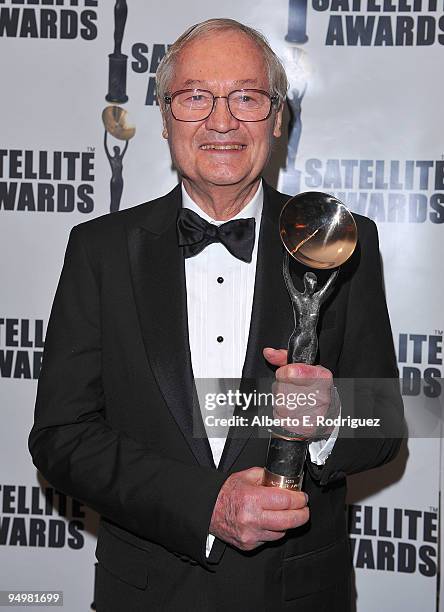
(318, 231)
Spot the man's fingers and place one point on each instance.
(300, 399)
(277, 357)
(302, 373)
(272, 536)
(279, 499)
(281, 520)
(244, 509)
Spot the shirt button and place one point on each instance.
(220, 339)
(220, 279)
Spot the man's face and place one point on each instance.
(221, 62)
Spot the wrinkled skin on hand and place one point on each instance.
(247, 514)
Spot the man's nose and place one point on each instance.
(221, 120)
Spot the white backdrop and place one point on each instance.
(369, 83)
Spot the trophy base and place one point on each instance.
(295, 39)
(282, 482)
(116, 99)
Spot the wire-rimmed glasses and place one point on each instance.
(243, 104)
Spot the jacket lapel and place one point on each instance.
(158, 277)
(271, 316)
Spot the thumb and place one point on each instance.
(253, 475)
(277, 357)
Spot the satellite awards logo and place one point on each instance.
(420, 363)
(115, 118)
(371, 23)
(389, 24)
(68, 20)
(40, 517)
(21, 347)
(386, 190)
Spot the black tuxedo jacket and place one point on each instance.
(113, 422)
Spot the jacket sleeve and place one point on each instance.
(367, 375)
(152, 496)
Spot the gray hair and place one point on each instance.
(276, 72)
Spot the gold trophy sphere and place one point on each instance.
(115, 120)
(318, 230)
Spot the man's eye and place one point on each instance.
(197, 99)
(246, 100)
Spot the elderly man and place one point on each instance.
(156, 296)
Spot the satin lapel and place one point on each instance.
(158, 276)
(271, 316)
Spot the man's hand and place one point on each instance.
(308, 392)
(247, 514)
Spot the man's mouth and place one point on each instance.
(220, 147)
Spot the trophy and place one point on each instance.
(299, 73)
(115, 120)
(319, 232)
(117, 59)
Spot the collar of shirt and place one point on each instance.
(252, 209)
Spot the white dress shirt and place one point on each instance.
(220, 291)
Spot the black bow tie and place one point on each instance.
(194, 234)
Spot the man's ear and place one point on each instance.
(277, 131)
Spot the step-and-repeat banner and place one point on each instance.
(365, 118)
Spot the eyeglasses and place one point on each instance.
(243, 104)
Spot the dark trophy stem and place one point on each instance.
(116, 183)
(297, 21)
(117, 59)
(286, 455)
